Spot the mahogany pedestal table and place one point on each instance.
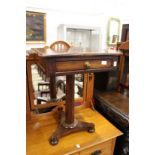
(69, 63)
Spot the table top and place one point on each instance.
(79, 52)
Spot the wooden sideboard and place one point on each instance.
(111, 97)
(101, 142)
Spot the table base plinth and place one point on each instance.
(63, 131)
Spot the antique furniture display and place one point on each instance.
(112, 101)
(69, 63)
(101, 142)
(35, 27)
(112, 98)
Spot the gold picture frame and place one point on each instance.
(35, 27)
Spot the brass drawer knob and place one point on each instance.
(97, 152)
(87, 65)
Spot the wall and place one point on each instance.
(53, 19)
(56, 17)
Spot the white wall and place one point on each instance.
(53, 19)
(56, 17)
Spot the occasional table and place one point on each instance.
(69, 63)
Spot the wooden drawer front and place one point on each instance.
(83, 65)
(105, 148)
(75, 153)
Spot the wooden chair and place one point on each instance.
(46, 47)
(60, 46)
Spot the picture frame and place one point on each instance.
(35, 27)
(113, 31)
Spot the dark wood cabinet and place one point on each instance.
(115, 107)
(111, 94)
(123, 76)
(125, 33)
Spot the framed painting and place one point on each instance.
(35, 27)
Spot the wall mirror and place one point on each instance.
(113, 31)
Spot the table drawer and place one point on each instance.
(84, 65)
(105, 148)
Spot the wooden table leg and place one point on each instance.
(53, 93)
(69, 114)
(68, 124)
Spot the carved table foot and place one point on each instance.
(65, 129)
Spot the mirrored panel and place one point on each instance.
(113, 31)
(41, 87)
